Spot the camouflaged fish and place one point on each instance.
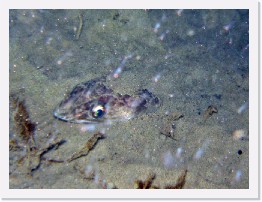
(93, 102)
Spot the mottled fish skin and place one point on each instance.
(79, 105)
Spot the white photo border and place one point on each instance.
(254, 175)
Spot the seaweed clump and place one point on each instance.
(210, 111)
(25, 129)
(90, 144)
(168, 127)
(148, 183)
(23, 124)
(180, 183)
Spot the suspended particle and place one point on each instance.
(156, 78)
(242, 108)
(168, 160)
(163, 35)
(190, 32)
(179, 12)
(179, 152)
(238, 176)
(157, 26)
(228, 27)
(199, 153)
(88, 127)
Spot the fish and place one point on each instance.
(94, 102)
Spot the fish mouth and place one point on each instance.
(63, 114)
(60, 117)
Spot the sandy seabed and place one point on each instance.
(189, 60)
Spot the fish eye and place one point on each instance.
(98, 111)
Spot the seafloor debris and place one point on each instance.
(88, 146)
(33, 158)
(14, 145)
(179, 183)
(148, 183)
(210, 111)
(168, 127)
(24, 126)
(25, 130)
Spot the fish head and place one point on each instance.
(93, 104)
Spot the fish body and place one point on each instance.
(94, 102)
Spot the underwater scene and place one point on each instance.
(129, 99)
